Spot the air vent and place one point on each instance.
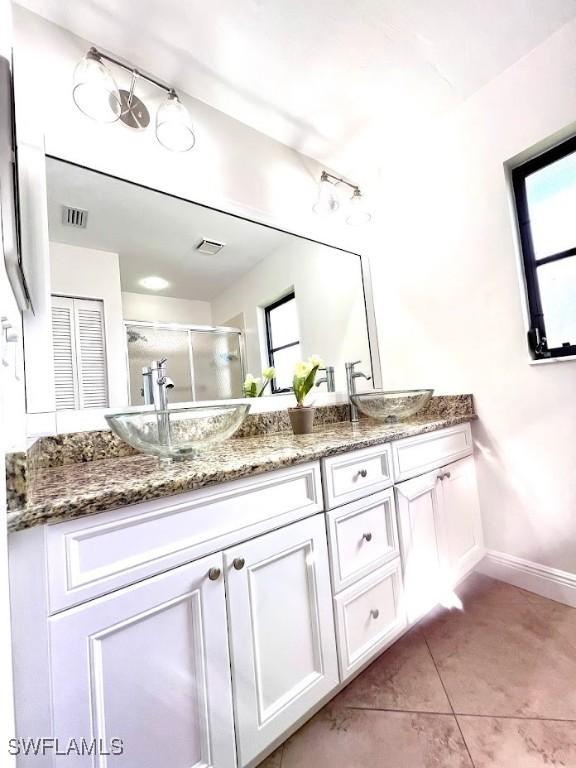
(74, 217)
(209, 246)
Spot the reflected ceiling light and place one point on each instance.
(154, 283)
(96, 94)
(173, 125)
(327, 202)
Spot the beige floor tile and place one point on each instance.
(403, 678)
(274, 760)
(498, 743)
(506, 653)
(338, 737)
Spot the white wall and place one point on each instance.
(451, 309)
(90, 274)
(165, 309)
(329, 298)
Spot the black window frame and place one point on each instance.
(537, 341)
(269, 346)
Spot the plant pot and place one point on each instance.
(302, 420)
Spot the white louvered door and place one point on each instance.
(80, 373)
(91, 353)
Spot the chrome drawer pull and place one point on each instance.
(374, 613)
(367, 536)
(214, 574)
(362, 472)
(443, 475)
(239, 563)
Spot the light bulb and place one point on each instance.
(357, 212)
(174, 126)
(94, 91)
(327, 201)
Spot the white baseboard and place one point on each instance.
(541, 579)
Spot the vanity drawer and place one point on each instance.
(416, 455)
(369, 616)
(97, 554)
(362, 536)
(352, 475)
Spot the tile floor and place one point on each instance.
(490, 686)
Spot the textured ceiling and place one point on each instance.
(335, 79)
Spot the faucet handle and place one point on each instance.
(351, 365)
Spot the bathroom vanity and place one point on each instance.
(203, 626)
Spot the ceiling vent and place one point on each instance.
(209, 246)
(74, 217)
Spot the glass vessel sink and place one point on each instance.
(177, 433)
(392, 406)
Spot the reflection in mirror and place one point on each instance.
(139, 277)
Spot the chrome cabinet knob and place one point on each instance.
(214, 574)
(239, 563)
(446, 474)
(443, 475)
(367, 536)
(374, 613)
(363, 472)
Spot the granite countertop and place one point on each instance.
(64, 492)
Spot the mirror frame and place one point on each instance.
(42, 416)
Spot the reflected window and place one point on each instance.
(283, 340)
(545, 193)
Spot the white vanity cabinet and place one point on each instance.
(440, 533)
(149, 665)
(281, 631)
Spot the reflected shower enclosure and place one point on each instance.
(204, 363)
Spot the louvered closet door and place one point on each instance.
(80, 372)
(91, 353)
(64, 346)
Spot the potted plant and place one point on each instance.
(302, 417)
(254, 387)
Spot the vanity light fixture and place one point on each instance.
(328, 203)
(96, 94)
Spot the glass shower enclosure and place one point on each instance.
(204, 362)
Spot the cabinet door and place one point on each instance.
(462, 545)
(148, 665)
(418, 504)
(281, 631)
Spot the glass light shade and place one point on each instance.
(327, 201)
(173, 125)
(357, 213)
(94, 91)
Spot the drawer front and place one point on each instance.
(416, 455)
(363, 537)
(97, 554)
(356, 474)
(369, 616)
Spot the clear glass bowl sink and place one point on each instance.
(178, 433)
(392, 406)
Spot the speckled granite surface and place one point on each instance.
(74, 490)
(16, 480)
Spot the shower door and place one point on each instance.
(203, 363)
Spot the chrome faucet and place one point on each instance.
(351, 376)
(158, 388)
(328, 379)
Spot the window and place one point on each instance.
(545, 193)
(283, 339)
(80, 372)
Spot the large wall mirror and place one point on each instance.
(138, 276)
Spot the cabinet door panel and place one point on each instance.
(281, 630)
(148, 665)
(461, 520)
(418, 504)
